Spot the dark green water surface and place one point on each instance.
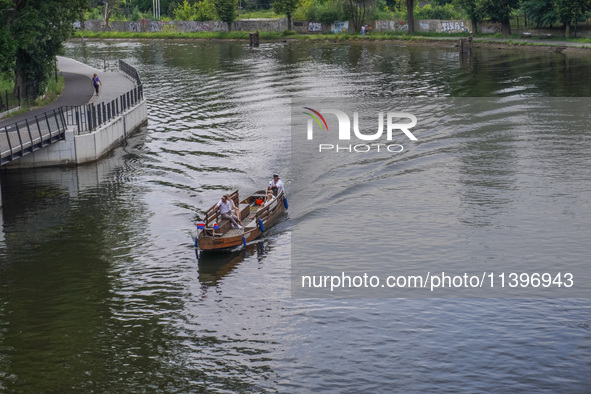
(101, 290)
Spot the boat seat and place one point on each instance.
(244, 211)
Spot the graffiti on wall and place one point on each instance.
(314, 27)
(169, 26)
(339, 27)
(264, 25)
(133, 26)
(385, 25)
(452, 26)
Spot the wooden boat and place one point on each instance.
(217, 233)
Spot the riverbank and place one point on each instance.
(431, 39)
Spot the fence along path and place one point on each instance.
(77, 106)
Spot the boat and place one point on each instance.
(216, 233)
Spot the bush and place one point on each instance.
(382, 12)
(206, 11)
(94, 13)
(288, 33)
(438, 12)
(135, 15)
(185, 12)
(326, 12)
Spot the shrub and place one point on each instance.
(206, 11)
(438, 12)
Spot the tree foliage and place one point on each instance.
(287, 8)
(204, 10)
(32, 35)
(549, 12)
(226, 10)
(571, 11)
(185, 12)
(474, 11)
(357, 10)
(500, 11)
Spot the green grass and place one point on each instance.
(53, 91)
(341, 37)
(6, 84)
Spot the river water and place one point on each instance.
(101, 289)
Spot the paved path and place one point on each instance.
(78, 89)
(527, 40)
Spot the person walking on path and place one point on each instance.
(96, 82)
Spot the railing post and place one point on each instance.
(48, 125)
(39, 129)
(88, 118)
(29, 130)
(20, 140)
(104, 114)
(94, 117)
(8, 139)
(78, 120)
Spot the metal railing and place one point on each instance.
(129, 70)
(31, 134)
(28, 135)
(88, 118)
(10, 99)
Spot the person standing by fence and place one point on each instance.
(96, 82)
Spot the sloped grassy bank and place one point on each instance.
(430, 39)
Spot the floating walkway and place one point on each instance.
(79, 127)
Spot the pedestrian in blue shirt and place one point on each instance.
(96, 82)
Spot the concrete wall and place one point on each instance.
(146, 25)
(424, 25)
(89, 147)
(312, 27)
(302, 27)
(260, 24)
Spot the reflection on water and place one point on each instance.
(214, 266)
(100, 288)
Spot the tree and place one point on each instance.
(571, 11)
(475, 12)
(410, 9)
(185, 12)
(35, 30)
(110, 6)
(287, 8)
(226, 10)
(541, 12)
(357, 11)
(500, 11)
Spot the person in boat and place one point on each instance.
(276, 185)
(228, 210)
(268, 198)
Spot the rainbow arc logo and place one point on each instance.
(316, 117)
